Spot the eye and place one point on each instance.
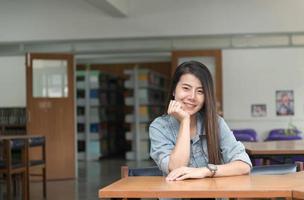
(185, 88)
(200, 92)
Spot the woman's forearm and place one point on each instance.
(180, 156)
(233, 168)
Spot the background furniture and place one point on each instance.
(248, 135)
(266, 150)
(274, 169)
(146, 171)
(13, 121)
(39, 163)
(283, 135)
(11, 166)
(100, 102)
(262, 170)
(148, 98)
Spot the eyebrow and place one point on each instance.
(186, 84)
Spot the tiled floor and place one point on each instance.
(91, 177)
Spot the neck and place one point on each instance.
(193, 120)
(193, 125)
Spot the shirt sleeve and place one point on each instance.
(161, 144)
(231, 149)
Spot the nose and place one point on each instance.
(192, 94)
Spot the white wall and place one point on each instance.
(252, 76)
(12, 82)
(75, 19)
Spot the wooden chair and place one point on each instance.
(40, 163)
(10, 167)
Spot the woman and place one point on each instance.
(192, 141)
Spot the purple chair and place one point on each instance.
(245, 135)
(284, 134)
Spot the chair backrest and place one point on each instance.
(244, 138)
(145, 171)
(36, 141)
(248, 135)
(283, 134)
(274, 169)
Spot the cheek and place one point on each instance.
(179, 95)
(202, 101)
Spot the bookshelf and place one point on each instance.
(88, 114)
(100, 116)
(111, 115)
(13, 121)
(149, 94)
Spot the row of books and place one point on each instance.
(13, 116)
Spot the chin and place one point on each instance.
(191, 112)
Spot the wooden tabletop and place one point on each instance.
(293, 147)
(11, 137)
(248, 186)
(298, 193)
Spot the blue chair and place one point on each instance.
(261, 170)
(145, 171)
(274, 169)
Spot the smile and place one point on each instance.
(190, 105)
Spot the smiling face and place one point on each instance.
(189, 91)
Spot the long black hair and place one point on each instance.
(208, 110)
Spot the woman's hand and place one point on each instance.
(175, 109)
(186, 173)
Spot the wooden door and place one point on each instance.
(51, 110)
(213, 60)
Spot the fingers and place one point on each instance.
(175, 107)
(178, 174)
(183, 177)
(185, 173)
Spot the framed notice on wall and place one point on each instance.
(284, 102)
(258, 110)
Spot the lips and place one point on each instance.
(189, 105)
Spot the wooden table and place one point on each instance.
(298, 193)
(272, 148)
(247, 186)
(11, 137)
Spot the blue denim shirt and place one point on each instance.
(163, 133)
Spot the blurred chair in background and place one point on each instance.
(145, 171)
(14, 168)
(247, 135)
(284, 134)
